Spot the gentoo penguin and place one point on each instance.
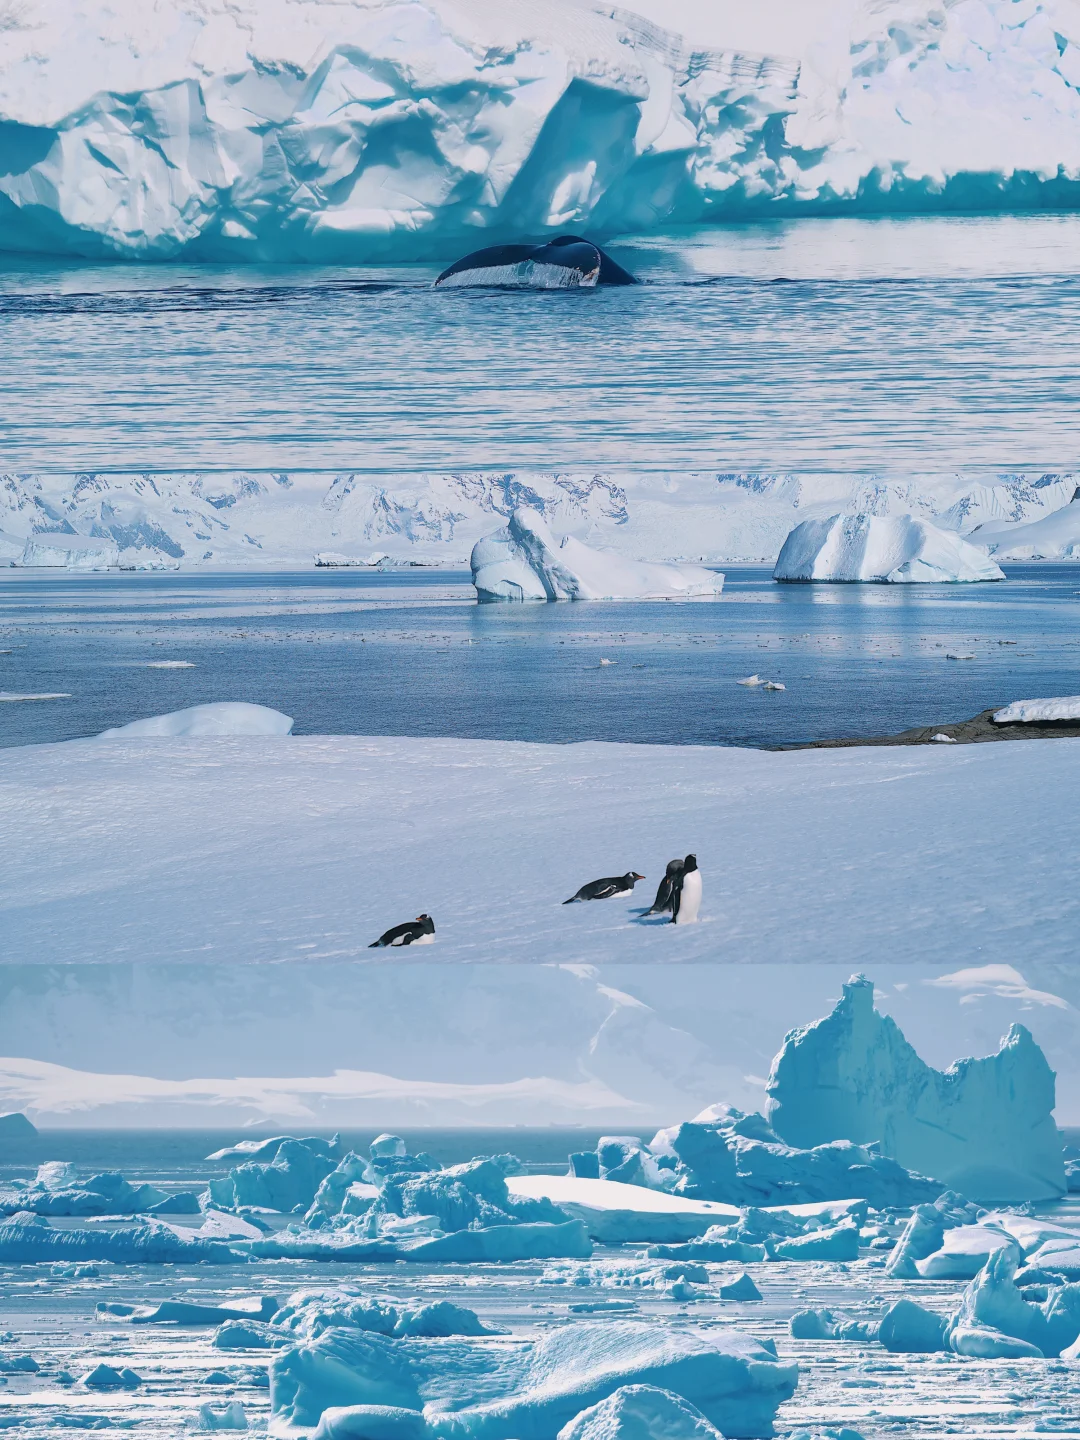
(420, 931)
(565, 263)
(604, 889)
(686, 900)
(665, 894)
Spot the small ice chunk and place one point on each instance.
(751, 680)
(741, 1288)
(233, 1417)
(951, 655)
(11, 698)
(170, 665)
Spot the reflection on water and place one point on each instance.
(412, 654)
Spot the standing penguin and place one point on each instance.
(666, 892)
(686, 900)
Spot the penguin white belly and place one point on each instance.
(424, 940)
(690, 901)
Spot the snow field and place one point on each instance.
(283, 848)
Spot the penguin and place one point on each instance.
(604, 889)
(686, 900)
(664, 895)
(420, 931)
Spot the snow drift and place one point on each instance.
(1039, 712)
(899, 549)
(405, 128)
(985, 1127)
(523, 561)
(235, 717)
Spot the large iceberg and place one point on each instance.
(985, 1127)
(896, 549)
(265, 130)
(523, 1390)
(70, 552)
(523, 561)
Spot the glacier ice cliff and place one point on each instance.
(269, 130)
(895, 549)
(523, 561)
(263, 518)
(985, 1127)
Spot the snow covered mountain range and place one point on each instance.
(260, 519)
(315, 130)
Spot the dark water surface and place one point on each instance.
(412, 654)
(925, 343)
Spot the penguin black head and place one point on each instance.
(675, 866)
(633, 875)
(690, 863)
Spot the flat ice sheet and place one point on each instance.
(263, 849)
(613, 1195)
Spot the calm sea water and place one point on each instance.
(412, 654)
(917, 343)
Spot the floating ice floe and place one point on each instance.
(1039, 712)
(201, 721)
(985, 1127)
(895, 549)
(170, 665)
(11, 697)
(523, 561)
(752, 681)
(525, 1388)
(27, 1239)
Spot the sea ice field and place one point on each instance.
(736, 1271)
(410, 652)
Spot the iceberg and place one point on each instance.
(894, 549)
(16, 1127)
(57, 1190)
(71, 552)
(287, 1182)
(526, 1390)
(372, 131)
(523, 561)
(201, 721)
(1048, 537)
(985, 1127)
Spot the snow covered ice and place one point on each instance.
(262, 132)
(524, 562)
(1028, 712)
(219, 718)
(898, 550)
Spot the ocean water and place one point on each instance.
(925, 343)
(411, 653)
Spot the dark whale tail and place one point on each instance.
(565, 263)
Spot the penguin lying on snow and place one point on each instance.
(420, 931)
(686, 901)
(665, 894)
(567, 263)
(604, 889)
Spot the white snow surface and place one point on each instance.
(523, 561)
(575, 1191)
(897, 549)
(199, 721)
(258, 519)
(1061, 707)
(261, 129)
